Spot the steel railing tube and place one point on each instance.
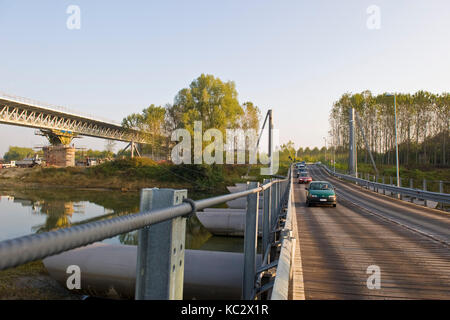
(14, 252)
(28, 248)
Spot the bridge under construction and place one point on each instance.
(60, 125)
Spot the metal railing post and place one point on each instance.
(391, 182)
(383, 182)
(411, 186)
(425, 189)
(285, 191)
(274, 207)
(267, 198)
(161, 247)
(277, 213)
(441, 190)
(400, 184)
(273, 212)
(250, 243)
(279, 197)
(281, 194)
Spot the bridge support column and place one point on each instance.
(57, 137)
(59, 155)
(133, 149)
(161, 247)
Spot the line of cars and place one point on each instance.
(318, 192)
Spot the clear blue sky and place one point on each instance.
(296, 57)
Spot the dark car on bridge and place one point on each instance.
(321, 192)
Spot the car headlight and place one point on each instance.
(313, 196)
(332, 197)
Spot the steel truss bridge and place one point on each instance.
(61, 121)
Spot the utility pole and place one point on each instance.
(334, 158)
(270, 140)
(361, 128)
(352, 143)
(396, 141)
(334, 154)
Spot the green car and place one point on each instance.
(320, 192)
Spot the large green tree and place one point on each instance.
(151, 122)
(210, 100)
(251, 116)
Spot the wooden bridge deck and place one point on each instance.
(337, 245)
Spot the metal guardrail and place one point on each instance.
(162, 227)
(402, 191)
(280, 289)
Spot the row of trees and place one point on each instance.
(15, 153)
(207, 99)
(423, 122)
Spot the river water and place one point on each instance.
(27, 211)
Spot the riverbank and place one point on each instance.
(131, 175)
(78, 178)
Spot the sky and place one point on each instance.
(294, 57)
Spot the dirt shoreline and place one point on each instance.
(31, 281)
(32, 178)
(22, 178)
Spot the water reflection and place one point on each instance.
(42, 210)
(58, 214)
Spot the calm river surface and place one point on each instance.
(27, 211)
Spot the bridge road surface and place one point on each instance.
(409, 243)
